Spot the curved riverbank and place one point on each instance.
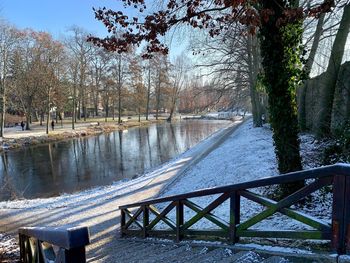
(16, 138)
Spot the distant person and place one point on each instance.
(53, 125)
(22, 125)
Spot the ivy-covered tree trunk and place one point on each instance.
(280, 50)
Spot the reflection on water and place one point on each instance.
(77, 164)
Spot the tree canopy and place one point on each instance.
(215, 16)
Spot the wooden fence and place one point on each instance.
(136, 219)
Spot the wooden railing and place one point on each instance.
(144, 219)
(37, 244)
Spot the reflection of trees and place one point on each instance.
(159, 143)
(53, 170)
(149, 147)
(173, 136)
(141, 159)
(76, 158)
(7, 188)
(86, 162)
(121, 162)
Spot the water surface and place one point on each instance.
(77, 164)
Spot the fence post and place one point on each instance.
(179, 220)
(145, 220)
(122, 222)
(234, 216)
(338, 224)
(347, 214)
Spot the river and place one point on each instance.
(76, 164)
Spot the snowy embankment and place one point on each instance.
(248, 154)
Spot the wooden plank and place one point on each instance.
(179, 220)
(206, 210)
(133, 218)
(145, 220)
(347, 214)
(66, 237)
(122, 221)
(256, 219)
(162, 233)
(234, 216)
(286, 202)
(162, 216)
(207, 233)
(214, 219)
(306, 219)
(325, 171)
(291, 234)
(304, 192)
(338, 237)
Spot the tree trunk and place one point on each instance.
(107, 109)
(158, 96)
(113, 108)
(119, 89)
(74, 114)
(253, 66)
(119, 106)
(96, 102)
(48, 113)
(139, 115)
(2, 107)
(279, 68)
(79, 109)
(330, 80)
(41, 118)
(148, 91)
(169, 119)
(28, 114)
(84, 105)
(308, 67)
(347, 116)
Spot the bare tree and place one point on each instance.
(178, 77)
(330, 80)
(81, 51)
(9, 38)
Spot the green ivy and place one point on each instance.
(282, 51)
(339, 149)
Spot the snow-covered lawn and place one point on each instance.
(248, 154)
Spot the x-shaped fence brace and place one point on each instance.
(336, 176)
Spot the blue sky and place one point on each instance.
(55, 16)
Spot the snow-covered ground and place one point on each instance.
(247, 154)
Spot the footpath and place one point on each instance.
(15, 137)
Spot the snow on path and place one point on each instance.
(246, 155)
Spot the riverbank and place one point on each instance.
(16, 138)
(246, 154)
(98, 208)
